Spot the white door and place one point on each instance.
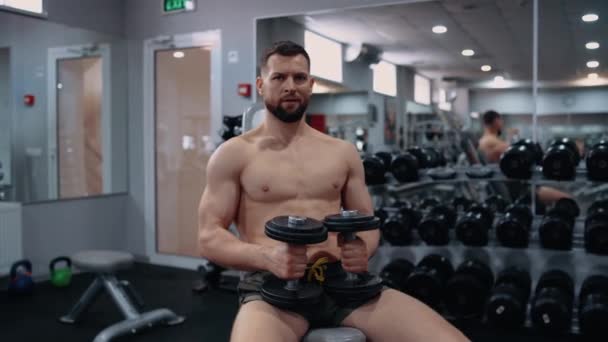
(182, 98)
(79, 121)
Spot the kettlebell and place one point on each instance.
(62, 276)
(21, 281)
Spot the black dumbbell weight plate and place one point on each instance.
(351, 224)
(274, 291)
(306, 231)
(364, 287)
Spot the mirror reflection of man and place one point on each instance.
(491, 147)
(490, 144)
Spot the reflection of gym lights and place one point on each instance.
(439, 29)
(592, 45)
(486, 68)
(593, 64)
(475, 115)
(499, 78)
(179, 54)
(593, 76)
(499, 82)
(590, 17)
(468, 52)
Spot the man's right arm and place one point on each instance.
(217, 210)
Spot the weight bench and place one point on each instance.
(104, 264)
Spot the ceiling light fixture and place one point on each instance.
(179, 54)
(592, 45)
(499, 78)
(593, 64)
(590, 17)
(486, 68)
(439, 29)
(468, 52)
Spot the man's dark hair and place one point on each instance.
(284, 48)
(489, 117)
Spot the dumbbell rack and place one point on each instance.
(577, 259)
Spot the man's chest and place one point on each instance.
(278, 176)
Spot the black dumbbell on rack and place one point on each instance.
(551, 309)
(508, 301)
(404, 167)
(513, 229)
(519, 160)
(596, 228)
(427, 281)
(375, 170)
(557, 226)
(434, 228)
(472, 229)
(395, 273)
(468, 289)
(398, 226)
(597, 162)
(593, 306)
(561, 159)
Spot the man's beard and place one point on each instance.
(285, 116)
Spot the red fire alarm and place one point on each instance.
(245, 89)
(29, 100)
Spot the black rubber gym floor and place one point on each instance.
(209, 316)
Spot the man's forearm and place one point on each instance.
(372, 240)
(223, 248)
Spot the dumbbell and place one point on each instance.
(397, 228)
(374, 170)
(551, 308)
(561, 159)
(597, 162)
(496, 203)
(519, 160)
(513, 229)
(425, 160)
(396, 272)
(596, 228)
(556, 228)
(593, 306)
(296, 230)
(468, 289)
(231, 126)
(354, 286)
(381, 214)
(404, 167)
(461, 203)
(434, 228)
(472, 229)
(427, 281)
(386, 158)
(509, 298)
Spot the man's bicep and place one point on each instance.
(220, 200)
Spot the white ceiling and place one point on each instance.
(500, 32)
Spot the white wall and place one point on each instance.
(5, 116)
(550, 101)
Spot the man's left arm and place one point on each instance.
(355, 196)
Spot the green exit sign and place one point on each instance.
(173, 6)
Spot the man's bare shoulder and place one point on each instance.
(488, 141)
(232, 154)
(338, 147)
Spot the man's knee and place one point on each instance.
(258, 320)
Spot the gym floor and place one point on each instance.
(209, 316)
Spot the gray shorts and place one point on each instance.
(328, 313)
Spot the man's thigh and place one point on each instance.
(260, 321)
(395, 316)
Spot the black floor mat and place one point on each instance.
(209, 316)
